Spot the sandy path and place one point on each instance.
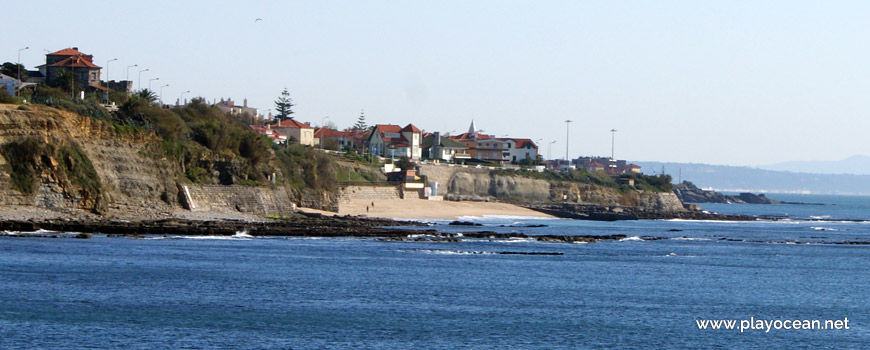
(425, 209)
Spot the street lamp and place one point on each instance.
(19, 70)
(567, 124)
(139, 81)
(182, 95)
(322, 132)
(612, 142)
(149, 82)
(128, 71)
(161, 94)
(550, 148)
(107, 78)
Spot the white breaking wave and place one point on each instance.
(631, 239)
(819, 228)
(242, 234)
(690, 239)
(513, 218)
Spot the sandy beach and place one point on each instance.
(425, 209)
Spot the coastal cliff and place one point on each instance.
(62, 161)
(477, 184)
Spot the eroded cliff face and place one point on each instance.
(131, 173)
(482, 186)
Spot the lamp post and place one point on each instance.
(612, 142)
(549, 149)
(567, 124)
(127, 78)
(19, 70)
(149, 82)
(182, 95)
(106, 94)
(139, 81)
(161, 94)
(322, 132)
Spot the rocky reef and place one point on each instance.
(689, 193)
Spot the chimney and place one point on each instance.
(437, 138)
(75, 48)
(245, 103)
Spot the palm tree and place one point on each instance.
(148, 95)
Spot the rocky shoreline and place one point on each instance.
(614, 213)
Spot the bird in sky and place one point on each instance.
(258, 19)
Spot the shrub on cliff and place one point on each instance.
(28, 159)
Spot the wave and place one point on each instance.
(690, 239)
(242, 234)
(632, 239)
(819, 228)
(513, 218)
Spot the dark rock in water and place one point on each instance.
(83, 236)
(689, 193)
(527, 226)
(464, 223)
(675, 230)
(530, 253)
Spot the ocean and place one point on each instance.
(652, 290)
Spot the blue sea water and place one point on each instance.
(645, 292)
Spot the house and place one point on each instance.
(343, 139)
(520, 150)
(632, 168)
(86, 75)
(388, 140)
(436, 146)
(9, 84)
(593, 167)
(483, 147)
(228, 106)
(273, 135)
(301, 132)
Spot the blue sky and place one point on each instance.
(729, 82)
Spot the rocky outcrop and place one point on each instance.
(689, 193)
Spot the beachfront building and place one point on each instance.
(439, 147)
(266, 130)
(520, 150)
(388, 140)
(482, 146)
(86, 75)
(298, 131)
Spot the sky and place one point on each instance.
(718, 82)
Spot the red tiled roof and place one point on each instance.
(290, 123)
(388, 128)
(326, 132)
(98, 87)
(76, 61)
(67, 52)
(596, 165)
(411, 128)
(633, 166)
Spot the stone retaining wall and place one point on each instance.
(246, 199)
(369, 192)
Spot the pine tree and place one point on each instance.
(283, 106)
(361, 122)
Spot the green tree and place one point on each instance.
(148, 95)
(283, 106)
(361, 122)
(64, 80)
(11, 69)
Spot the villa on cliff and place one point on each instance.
(388, 140)
(443, 148)
(301, 132)
(266, 130)
(86, 74)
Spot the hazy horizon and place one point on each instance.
(732, 83)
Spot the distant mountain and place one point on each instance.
(746, 179)
(858, 164)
